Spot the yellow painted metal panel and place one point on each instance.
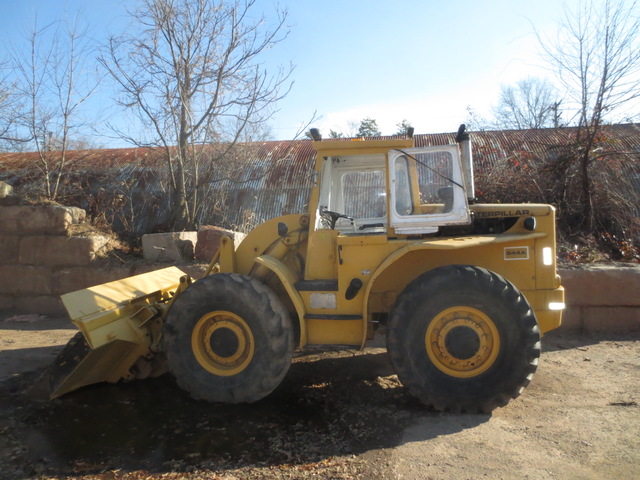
(334, 332)
(500, 210)
(539, 301)
(321, 261)
(473, 241)
(109, 295)
(264, 240)
(288, 281)
(348, 147)
(109, 363)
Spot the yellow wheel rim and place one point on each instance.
(222, 343)
(462, 342)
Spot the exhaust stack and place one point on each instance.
(466, 153)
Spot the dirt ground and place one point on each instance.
(337, 415)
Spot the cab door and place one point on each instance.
(426, 189)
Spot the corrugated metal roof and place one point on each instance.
(495, 144)
(255, 181)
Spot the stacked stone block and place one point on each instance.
(171, 247)
(38, 254)
(209, 238)
(602, 298)
(40, 259)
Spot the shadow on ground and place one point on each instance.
(13, 361)
(568, 339)
(329, 405)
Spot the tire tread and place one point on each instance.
(429, 391)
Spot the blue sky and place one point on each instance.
(420, 60)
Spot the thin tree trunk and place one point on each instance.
(587, 202)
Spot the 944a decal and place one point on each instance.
(516, 253)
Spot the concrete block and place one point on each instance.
(611, 319)
(7, 302)
(44, 220)
(5, 189)
(602, 285)
(76, 215)
(194, 270)
(70, 279)
(9, 220)
(143, 268)
(209, 241)
(79, 250)
(25, 280)
(171, 247)
(9, 248)
(572, 318)
(49, 250)
(66, 216)
(42, 304)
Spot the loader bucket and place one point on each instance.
(119, 323)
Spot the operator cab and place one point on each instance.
(414, 191)
(353, 196)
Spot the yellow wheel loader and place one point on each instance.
(392, 241)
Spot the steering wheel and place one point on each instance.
(334, 216)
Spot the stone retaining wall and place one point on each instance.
(40, 260)
(35, 252)
(602, 298)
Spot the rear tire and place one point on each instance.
(228, 339)
(463, 338)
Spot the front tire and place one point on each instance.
(228, 339)
(463, 338)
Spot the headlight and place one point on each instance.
(556, 306)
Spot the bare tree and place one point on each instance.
(349, 130)
(477, 122)
(9, 106)
(52, 83)
(527, 104)
(192, 76)
(596, 56)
